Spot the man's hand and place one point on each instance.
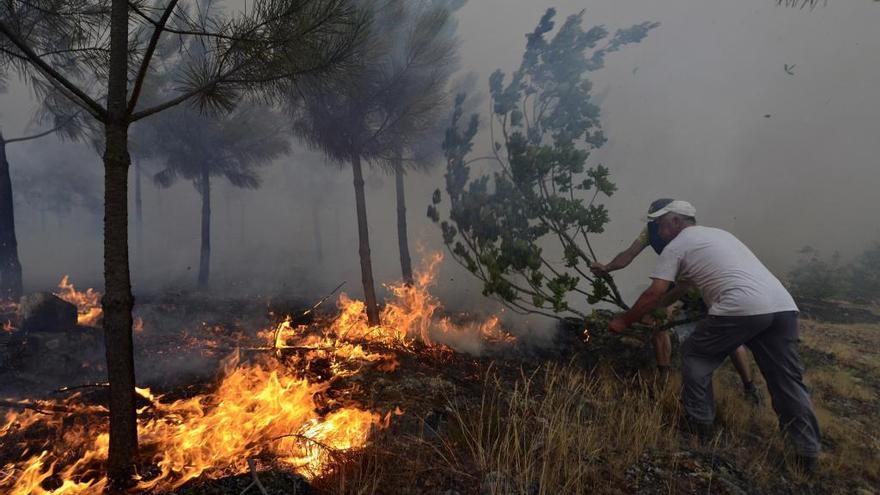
(647, 301)
(618, 324)
(599, 269)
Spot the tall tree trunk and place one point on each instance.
(10, 266)
(364, 242)
(118, 303)
(205, 254)
(402, 241)
(118, 300)
(139, 219)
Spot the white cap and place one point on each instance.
(678, 206)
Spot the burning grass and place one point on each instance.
(292, 401)
(395, 409)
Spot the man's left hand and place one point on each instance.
(618, 324)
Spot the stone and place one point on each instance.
(46, 312)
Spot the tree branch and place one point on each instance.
(148, 54)
(84, 100)
(44, 133)
(160, 25)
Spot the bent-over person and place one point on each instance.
(660, 338)
(748, 306)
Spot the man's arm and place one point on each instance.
(649, 300)
(677, 293)
(623, 259)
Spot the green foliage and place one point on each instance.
(544, 127)
(231, 146)
(389, 99)
(815, 277)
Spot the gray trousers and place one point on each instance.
(773, 339)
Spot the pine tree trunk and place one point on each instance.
(10, 266)
(117, 304)
(364, 242)
(205, 255)
(118, 300)
(139, 219)
(402, 240)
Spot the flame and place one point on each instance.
(413, 314)
(255, 410)
(88, 303)
(264, 409)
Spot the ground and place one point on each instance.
(576, 416)
(567, 420)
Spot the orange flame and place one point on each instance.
(88, 303)
(413, 315)
(255, 410)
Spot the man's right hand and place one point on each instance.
(599, 269)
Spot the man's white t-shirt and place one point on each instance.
(730, 277)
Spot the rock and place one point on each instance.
(45, 312)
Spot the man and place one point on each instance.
(747, 306)
(660, 338)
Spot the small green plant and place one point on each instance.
(524, 229)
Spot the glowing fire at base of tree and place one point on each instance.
(264, 409)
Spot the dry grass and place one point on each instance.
(842, 383)
(558, 430)
(564, 429)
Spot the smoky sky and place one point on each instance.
(703, 109)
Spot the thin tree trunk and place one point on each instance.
(205, 255)
(138, 218)
(402, 241)
(118, 300)
(10, 266)
(364, 242)
(117, 304)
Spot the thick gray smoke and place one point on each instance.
(765, 118)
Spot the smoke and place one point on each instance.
(685, 113)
